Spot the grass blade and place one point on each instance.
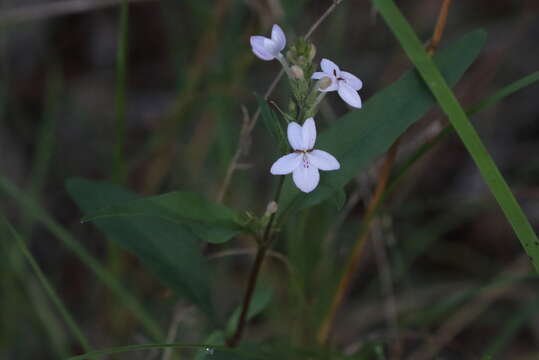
(64, 312)
(480, 106)
(29, 206)
(450, 105)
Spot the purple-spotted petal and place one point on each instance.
(286, 164)
(349, 95)
(323, 160)
(309, 133)
(329, 67)
(306, 177)
(295, 136)
(352, 80)
(278, 36)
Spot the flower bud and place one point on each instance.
(271, 208)
(297, 72)
(324, 83)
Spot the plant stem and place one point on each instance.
(253, 277)
(263, 246)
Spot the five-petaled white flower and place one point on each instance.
(305, 161)
(345, 83)
(269, 49)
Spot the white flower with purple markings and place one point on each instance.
(305, 161)
(346, 84)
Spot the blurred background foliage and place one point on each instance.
(441, 252)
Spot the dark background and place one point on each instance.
(189, 72)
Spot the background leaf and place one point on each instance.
(359, 137)
(209, 221)
(456, 114)
(168, 248)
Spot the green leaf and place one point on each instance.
(7, 228)
(456, 114)
(30, 207)
(209, 221)
(271, 122)
(168, 248)
(362, 135)
(482, 105)
(261, 299)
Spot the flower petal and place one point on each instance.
(306, 177)
(278, 36)
(286, 164)
(323, 160)
(308, 131)
(259, 48)
(352, 80)
(349, 95)
(271, 47)
(318, 75)
(295, 136)
(329, 67)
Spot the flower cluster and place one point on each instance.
(305, 162)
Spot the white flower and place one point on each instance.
(345, 83)
(304, 162)
(269, 49)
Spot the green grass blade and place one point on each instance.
(211, 349)
(480, 106)
(450, 105)
(510, 329)
(64, 312)
(29, 206)
(504, 92)
(119, 170)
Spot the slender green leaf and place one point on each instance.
(272, 124)
(362, 135)
(209, 221)
(509, 330)
(168, 248)
(29, 206)
(482, 105)
(47, 286)
(450, 105)
(213, 351)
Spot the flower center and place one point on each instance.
(305, 160)
(306, 163)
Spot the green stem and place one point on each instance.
(263, 246)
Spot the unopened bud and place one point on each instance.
(271, 208)
(312, 51)
(297, 72)
(324, 83)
